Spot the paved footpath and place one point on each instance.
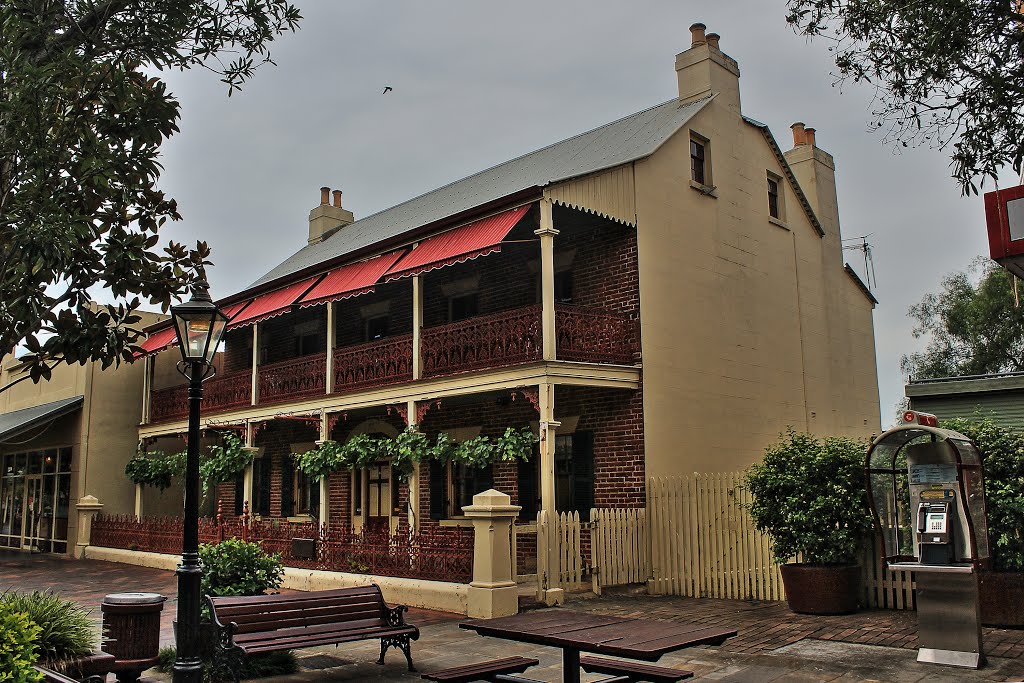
(774, 645)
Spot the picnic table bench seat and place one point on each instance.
(633, 672)
(481, 671)
(269, 623)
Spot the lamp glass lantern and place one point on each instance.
(199, 325)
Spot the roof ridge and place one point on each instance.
(515, 159)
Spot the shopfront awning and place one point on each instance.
(157, 342)
(272, 304)
(16, 423)
(350, 280)
(466, 242)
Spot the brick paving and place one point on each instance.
(773, 645)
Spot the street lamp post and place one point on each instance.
(199, 325)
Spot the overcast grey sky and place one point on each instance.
(476, 83)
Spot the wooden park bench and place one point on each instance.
(268, 623)
(482, 671)
(632, 672)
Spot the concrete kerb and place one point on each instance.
(441, 596)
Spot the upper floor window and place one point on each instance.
(309, 338)
(463, 306)
(376, 327)
(698, 161)
(563, 287)
(774, 208)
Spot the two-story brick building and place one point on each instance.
(661, 295)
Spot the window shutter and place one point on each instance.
(263, 497)
(483, 479)
(357, 491)
(583, 473)
(438, 489)
(526, 475)
(287, 486)
(239, 493)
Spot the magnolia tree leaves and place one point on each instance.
(82, 121)
(947, 73)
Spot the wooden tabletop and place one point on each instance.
(616, 636)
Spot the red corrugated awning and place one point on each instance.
(271, 304)
(234, 309)
(350, 280)
(158, 341)
(467, 242)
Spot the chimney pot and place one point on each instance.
(697, 34)
(337, 198)
(713, 39)
(799, 134)
(325, 195)
(809, 132)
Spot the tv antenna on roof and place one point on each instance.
(862, 245)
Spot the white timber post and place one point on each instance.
(138, 502)
(547, 233)
(417, 327)
(147, 388)
(88, 508)
(325, 434)
(552, 590)
(414, 478)
(247, 475)
(331, 341)
(255, 362)
(493, 591)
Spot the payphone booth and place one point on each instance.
(927, 494)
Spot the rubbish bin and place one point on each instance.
(131, 624)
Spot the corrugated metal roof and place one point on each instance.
(634, 137)
(19, 421)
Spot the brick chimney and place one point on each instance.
(327, 218)
(704, 70)
(815, 170)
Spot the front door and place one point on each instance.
(379, 499)
(36, 525)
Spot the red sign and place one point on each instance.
(1004, 213)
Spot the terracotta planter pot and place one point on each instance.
(1001, 595)
(821, 589)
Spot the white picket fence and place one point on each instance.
(620, 547)
(560, 561)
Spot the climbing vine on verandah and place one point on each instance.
(219, 463)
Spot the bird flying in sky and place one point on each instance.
(387, 89)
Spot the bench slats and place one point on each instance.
(229, 601)
(321, 639)
(326, 627)
(269, 621)
(636, 671)
(363, 602)
(481, 670)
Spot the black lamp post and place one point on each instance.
(200, 325)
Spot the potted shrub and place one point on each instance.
(1001, 590)
(810, 498)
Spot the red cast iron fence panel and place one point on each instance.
(295, 378)
(432, 554)
(589, 335)
(376, 363)
(227, 392)
(485, 341)
(220, 393)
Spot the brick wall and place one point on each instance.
(350, 323)
(276, 439)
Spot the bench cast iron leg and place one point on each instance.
(400, 642)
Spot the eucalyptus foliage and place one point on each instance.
(973, 326)
(810, 498)
(1002, 453)
(946, 72)
(84, 113)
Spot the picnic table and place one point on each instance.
(576, 632)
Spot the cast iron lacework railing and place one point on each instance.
(376, 363)
(593, 335)
(295, 378)
(432, 554)
(220, 393)
(484, 341)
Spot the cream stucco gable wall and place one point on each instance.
(749, 325)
